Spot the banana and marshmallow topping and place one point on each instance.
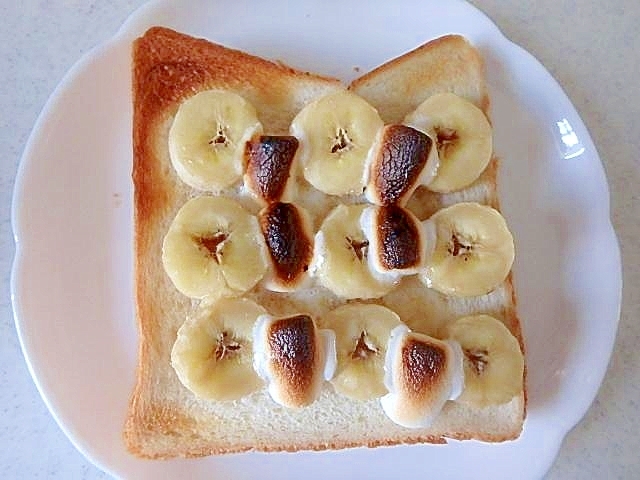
(403, 159)
(422, 373)
(493, 360)
(341, 257)
(293, 357)
(216, 250)
(269, 173)
(287, 232)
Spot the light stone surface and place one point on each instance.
(592, 48)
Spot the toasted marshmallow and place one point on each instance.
(293, 357)
(397, 240)
(289, 238)
(421, 374)
(269, 175)
(401, 159)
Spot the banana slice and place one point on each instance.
(473, 250)
(214, 247)
(340, 257)
(213, 351)
(493, 360)
(294, 357)
(422, 373)
(362, 332)
(397, 242)
(269, 176)
(403, 158)
(208, 136)
(287, 232)
(463, 136)
(336, 133)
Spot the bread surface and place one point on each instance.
(164, 418)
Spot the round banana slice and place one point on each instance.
(473, 250)
(362, 332)
(336, 133)
(213, 351)
(214, 247)
(463, 137)
(340, 257)
(493, 360)
(208, 136)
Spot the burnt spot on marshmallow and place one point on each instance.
(269, 160)
(402, 155)
(424, 365)
(399, 238)
(288, 240)
(294, 356)
(422, 374)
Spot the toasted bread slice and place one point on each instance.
(165, 419)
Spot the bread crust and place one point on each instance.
(446, 64)
(164, 419)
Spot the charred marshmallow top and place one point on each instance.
(293, 357)
(289, 239)
(421, 374)
(397, 243)
(403, 158)
(269, 167)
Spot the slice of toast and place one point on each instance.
(164, 418)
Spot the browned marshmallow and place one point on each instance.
(289, 238)
(403, 159)
(291, 355)
(422, 373)
(269, 161)
(397, 243)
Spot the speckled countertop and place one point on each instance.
(592, 48)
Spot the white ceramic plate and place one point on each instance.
(72, 278)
